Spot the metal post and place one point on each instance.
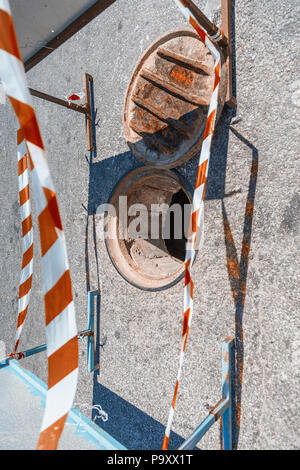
(60, 102)
(226, 28)
(225, 42)
(227, 373)
(30, 352)
(223, 409)
(89, 333)
(91, 340)
(86, 109)
(209, 27)
(88, 90)
(201, 430)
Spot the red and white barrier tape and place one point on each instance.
(27, 236)
(61, 331)
(198, 203)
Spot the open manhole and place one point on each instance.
(146, 232)
(167, 99)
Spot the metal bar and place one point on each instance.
(223, 409)
(159, 114)
(186, 62)
(30, 352)
(91, 13)
(226, 27)
(64, 103)
(91, 339)
(202, 429)
(89, 106)
(227, 372)
(210, 27)
(87, 109)
(89, 333)
(173, 89)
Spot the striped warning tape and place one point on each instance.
(198, 204)
(27, 236)
(61, 331)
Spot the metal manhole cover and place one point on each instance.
(167, 99)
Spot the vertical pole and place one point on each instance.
(212, 30)
(226, 28)
(227, 375)
(91, 340)
(87, 85)
(87, 108)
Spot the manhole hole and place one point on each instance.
(167, 100)
(146, 235)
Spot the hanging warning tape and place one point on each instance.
(198, 203)
(27, 236)
(61, 331)
(62, 347)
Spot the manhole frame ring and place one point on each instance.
(188, 191)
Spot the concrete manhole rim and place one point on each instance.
(130, 275)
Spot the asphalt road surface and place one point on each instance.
(252, 204)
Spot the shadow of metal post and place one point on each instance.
(237, 273)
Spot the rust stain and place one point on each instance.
(182, 76)
(228, 234)
(249, 208)
(233, 267)
(254, 169)
(221, 434)
(245, 250)
(243, 292)
(213, 412)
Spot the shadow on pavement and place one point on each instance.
(128, 424)
(237, 273)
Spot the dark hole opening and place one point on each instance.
(176, 246)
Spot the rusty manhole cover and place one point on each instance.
(167, 99)
(154, 258)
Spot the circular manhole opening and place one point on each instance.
(167, 99)
(145, 232)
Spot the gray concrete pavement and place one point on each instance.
(38, 22)
(141, 330)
